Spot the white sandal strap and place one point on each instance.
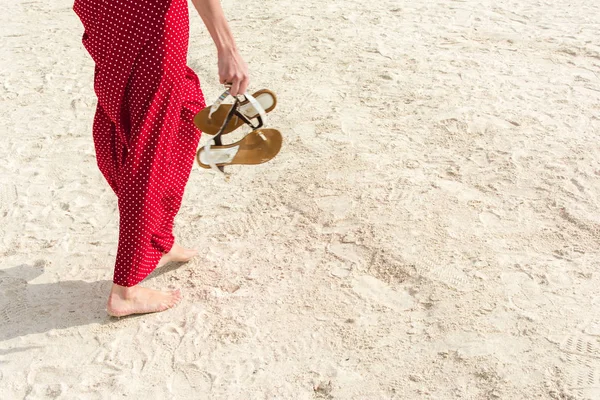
(217, 156)
(258, 107)
(206, 157)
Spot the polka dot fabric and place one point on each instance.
(143, 132)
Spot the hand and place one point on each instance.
(233, 70)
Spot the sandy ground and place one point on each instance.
(430, 230)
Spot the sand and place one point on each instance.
(430, 230)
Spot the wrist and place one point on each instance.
(226, 49)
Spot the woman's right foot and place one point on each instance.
(124, 301)
(177, 254)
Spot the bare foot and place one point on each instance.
(124, 301)
(177, 254)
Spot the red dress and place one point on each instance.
(143, 132)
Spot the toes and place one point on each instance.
(163, 307)
(178, 296)
(175, 297)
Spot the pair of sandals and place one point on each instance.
(257, 147)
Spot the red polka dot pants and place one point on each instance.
(143, 132)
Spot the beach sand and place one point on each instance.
(430, 230)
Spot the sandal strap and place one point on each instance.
(215, 106)
(261, 117)
(232, 111)
(217, 138)
(257, 106)
(248, 122)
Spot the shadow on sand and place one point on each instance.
(27, 308)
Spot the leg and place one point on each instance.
(184, 151)
(184, 148)
(110, 151)
(124, 300)
(141, 190)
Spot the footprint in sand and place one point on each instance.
(581, 345)
(191, 376)
(489, 219)
(582, 354)
(373, 290)
(523, 292)
(581, 377)
(593, 328)
(38, 378)
(339, 271)
(443, 272)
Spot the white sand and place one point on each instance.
(430, 230)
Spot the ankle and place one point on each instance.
(122, 292)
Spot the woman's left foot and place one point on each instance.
(177, 254)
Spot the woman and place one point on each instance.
(143, 132)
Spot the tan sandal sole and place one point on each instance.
(251, 150)
(211, 126)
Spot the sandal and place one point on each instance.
(210, 119)
(257, 147)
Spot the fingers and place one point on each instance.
(244, 84)
(226, 78)
(239, 82)
(228, 83)
(235, 87)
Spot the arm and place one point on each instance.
(232, 68)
